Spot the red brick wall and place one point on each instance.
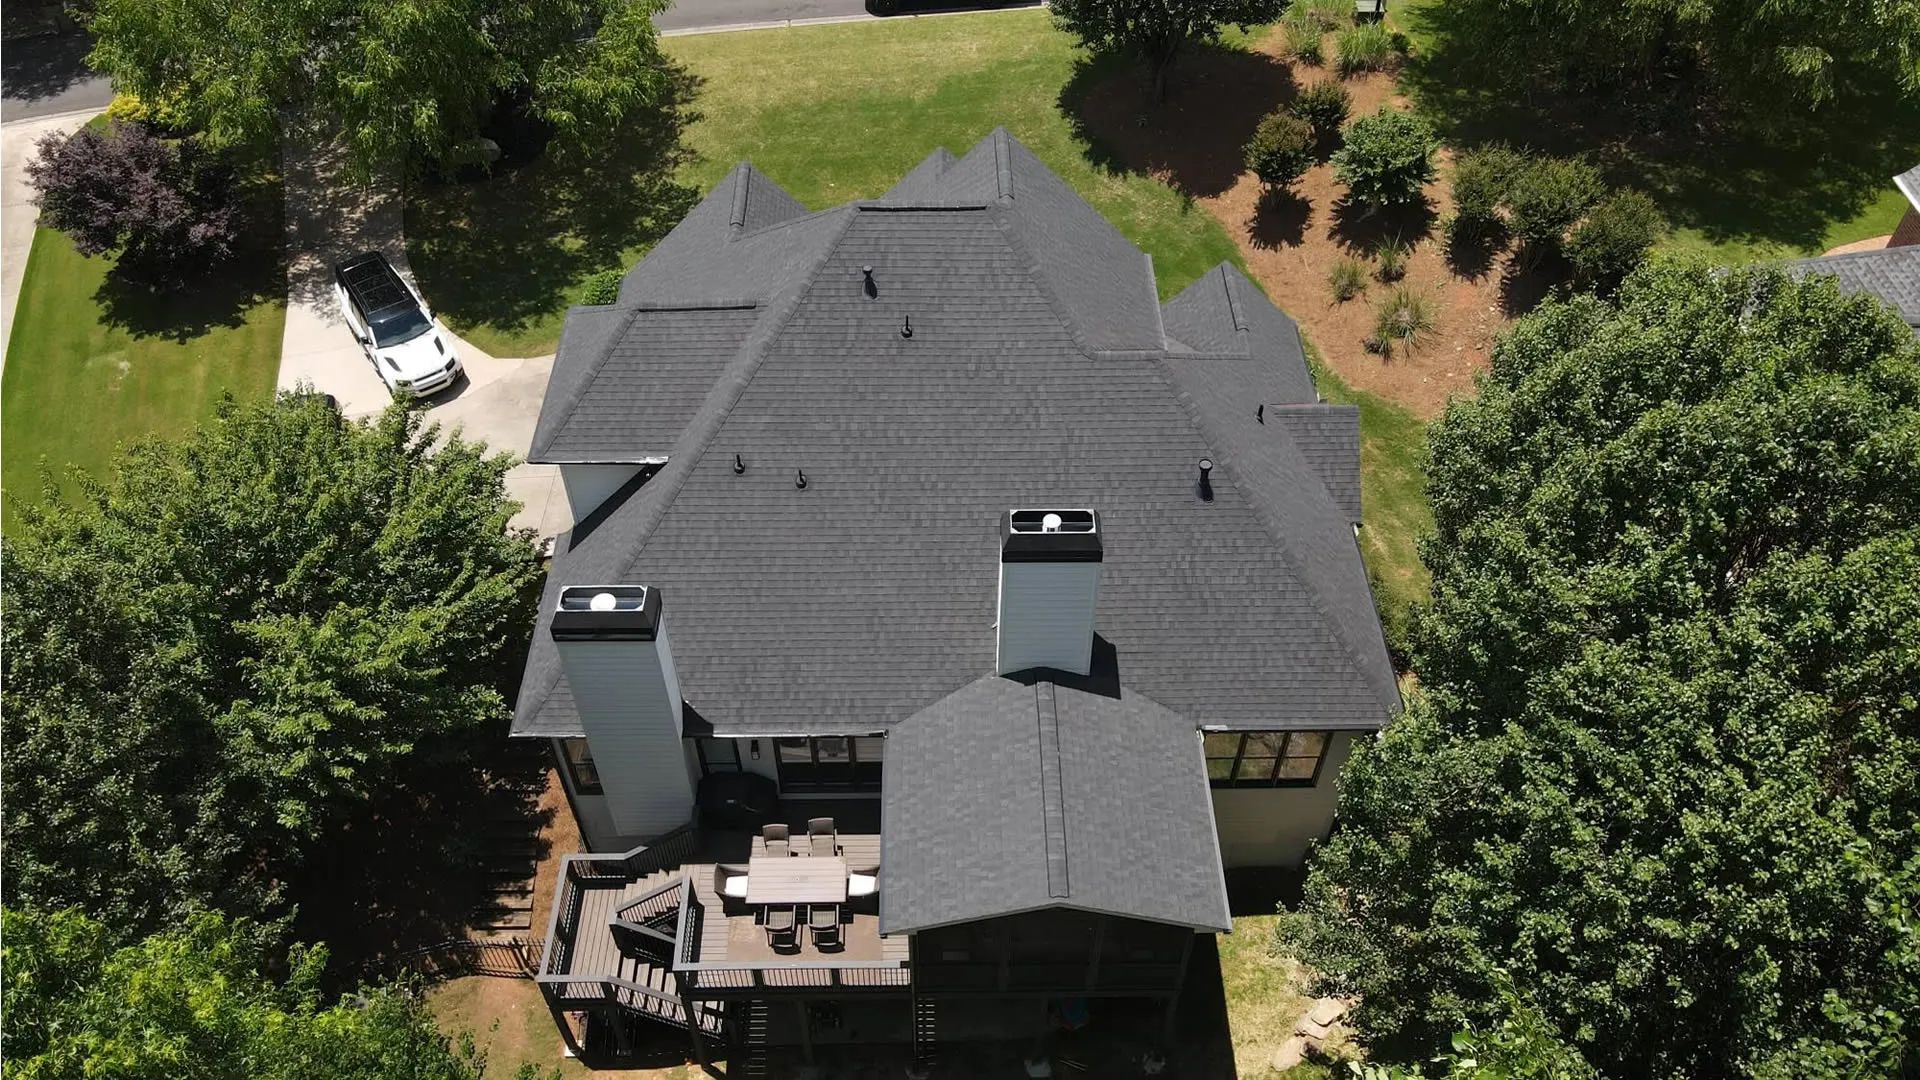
(1908, 231)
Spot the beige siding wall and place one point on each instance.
(1273, 826)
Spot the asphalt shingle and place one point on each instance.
(1892, 274)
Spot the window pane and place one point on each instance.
(1297, 768)
(586, 778)
(1255, 768)
(1224, 744)
(832, 749)
(1266, 743)
(720, 755)
(870, 748)
(1220, 768)
(794, 751)
(1308, 744)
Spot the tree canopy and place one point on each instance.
(1156, 30)
(1666, 764)
(238, 636)
(395, 76)
(193, 1001)
(162, 204)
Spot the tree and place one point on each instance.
(398, 79)
(192, 1001)
(1281, 150)
(1387, 158)
(1156, 30)
(1669, 737)
(1614, 238)
(239, 636)
(163, 205)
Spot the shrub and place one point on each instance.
(1481, 179)
(1392, 259)
(603, 287)
(1614, 239)
(1326, 14)
(1281, 149)
(1547, 196)
(165, 118)
(1387, 159)
(1300, 39)
(1405, 316)
(1325, 105)
(1363, 47)
(1347, 279)
(162, 205)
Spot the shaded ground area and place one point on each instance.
(96, 358)
(1738, 190)
(47, 73)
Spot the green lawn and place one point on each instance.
(831, 113)
(91, 364)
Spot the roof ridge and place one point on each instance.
(1224, 459)
(1002, 163)
(752, 354)
(1053, 798)
(737, 218)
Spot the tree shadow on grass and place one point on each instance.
(507, 250)
(1280, 219)
(1195, 139)
(1780, 179)
(183, 304)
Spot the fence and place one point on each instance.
(507, 958)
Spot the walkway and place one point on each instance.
(329, 217)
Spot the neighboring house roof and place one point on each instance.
(1892, 274)
(1013, 795)
(1909, 184)
(1038, 374)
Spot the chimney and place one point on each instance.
(1049, 589)
(613, 646)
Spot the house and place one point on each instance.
(1891, 273)
(927, 511)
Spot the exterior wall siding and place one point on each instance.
(1046, 615)
(589, 485)
(1908, 231)
(1275, 826)
(629, 702)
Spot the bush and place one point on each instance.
(1614, 239)
(1325, 105)
(603, 287)
(1281, 149)
(1300, 39)
(1547, 196)
(1405, 316)
(1481, 179)
(164, 206)
(1392, 259)
(1364, 47)
(1347, 279)
(165, 118)
(1326, 14)
(1387, 159)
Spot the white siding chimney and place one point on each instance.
(1049, 588)
(613, 646)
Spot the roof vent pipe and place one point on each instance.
(1206, 483)
(872, 290)
(906, 327)
(739, 465)
(1260, 414)
(800, 479)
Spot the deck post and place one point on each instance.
(566, 1027)
(806, 1034)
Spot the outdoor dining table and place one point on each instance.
(784, 879)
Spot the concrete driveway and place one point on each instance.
(329, 217)
(17, 212)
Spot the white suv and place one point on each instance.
(401, 338)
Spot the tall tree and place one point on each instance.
(1668, 756)
(1156, 30)
(395, 76)
(238, 636)
(193, 1001)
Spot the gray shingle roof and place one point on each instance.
(1892, 274)
(1010, 795)
(869, 595)
(1329, 438)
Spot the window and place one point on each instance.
(718, 755)
(830, 762)
(1265, 758)
(577, 759)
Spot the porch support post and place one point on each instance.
(806, 1035)
(1093, 958)
(1179, 984)
(566, 1026)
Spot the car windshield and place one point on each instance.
(401, 327)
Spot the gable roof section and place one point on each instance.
(1328, 437)
(1909, 184)
(870, 594)
(1224, 314)
(1013, 795)
(1892, 274)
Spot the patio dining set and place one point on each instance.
(796, 881)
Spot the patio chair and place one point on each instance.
(822, 838)
(823, 925)
(775, 838)
(782, 929)
(730, 882)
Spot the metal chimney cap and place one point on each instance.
(1050, 536)
(606, 613)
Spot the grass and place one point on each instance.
(510, 1023)
(1393, 497)
(94, 363)
(501, 260)
(1265, 996)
